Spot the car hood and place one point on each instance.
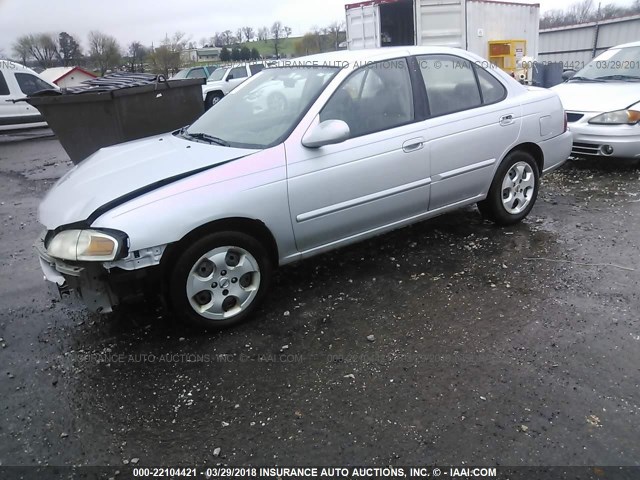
(598, 97)
(216, 84)
(120, 173)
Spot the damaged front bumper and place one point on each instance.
(88, 281)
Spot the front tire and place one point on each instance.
(220, 280)
(212, 99)
(514, 190)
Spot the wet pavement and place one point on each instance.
(449, 342)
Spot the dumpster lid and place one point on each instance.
(118, 81)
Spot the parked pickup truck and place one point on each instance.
(16, 82)
(225, 79)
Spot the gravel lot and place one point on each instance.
(449, 342)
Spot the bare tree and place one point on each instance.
(137, 52)
(239, 35)
(317, 34)
(306, 45)
(249, 34)
(287, 31)
(104, 51)
(333, 31)
(226, 37)
(582, 11)
(263, 34)
(277, 31)
(167, 57)
(42, 47)
(21, 49)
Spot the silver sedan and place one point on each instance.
(366, 142)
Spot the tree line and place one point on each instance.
(104, 53)
(586, 11)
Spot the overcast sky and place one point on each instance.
(149, 21)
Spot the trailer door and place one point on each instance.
(363, 27)
(441, 23)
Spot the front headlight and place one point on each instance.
(87, 245)
(620, 117)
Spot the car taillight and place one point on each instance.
(565, 122)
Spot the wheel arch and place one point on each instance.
(251, 227)
(532, 149)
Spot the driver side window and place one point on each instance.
(374, 98)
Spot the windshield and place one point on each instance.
(616, 64)
(263, 111)
(181, 74)
(217, 75)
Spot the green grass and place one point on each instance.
(286, 46)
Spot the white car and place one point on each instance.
(277, 95)
(603, 104)
(225, 79)
(17, 82)
(369, 141)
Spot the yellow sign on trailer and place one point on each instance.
(507, 53)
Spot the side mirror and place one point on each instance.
(328, 132)
(568, 74)
(230, 77)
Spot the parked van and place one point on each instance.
(17, 82)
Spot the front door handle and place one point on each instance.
(506, 120)
(413, 145)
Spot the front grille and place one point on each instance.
(574, 117)
(585, 149)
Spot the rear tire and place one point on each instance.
(514, 190)
(220, 280)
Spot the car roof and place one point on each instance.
(626, 45)
(372, 54)
(9, 65)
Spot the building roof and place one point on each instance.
(52, 75)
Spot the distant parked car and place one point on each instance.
(603, 104)
(367, 142)
(195, 72)
(225, 79)
(17, 82)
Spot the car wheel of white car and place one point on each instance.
(513, 191)
(220, 280)
(212, 99)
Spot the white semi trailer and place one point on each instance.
(467, 24)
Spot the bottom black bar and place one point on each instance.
(324, 473)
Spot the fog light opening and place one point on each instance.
(606, 150)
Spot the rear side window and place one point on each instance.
(492, 90)
(238, 72)
(374, 98)
(450, 82)
(4, 88)
(256, 68)
(30, 84)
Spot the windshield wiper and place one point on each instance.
(624, 78)
(208, 138)
(585, 79)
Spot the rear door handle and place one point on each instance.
(506, 120)
(413, 145)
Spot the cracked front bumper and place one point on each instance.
(88, 282)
